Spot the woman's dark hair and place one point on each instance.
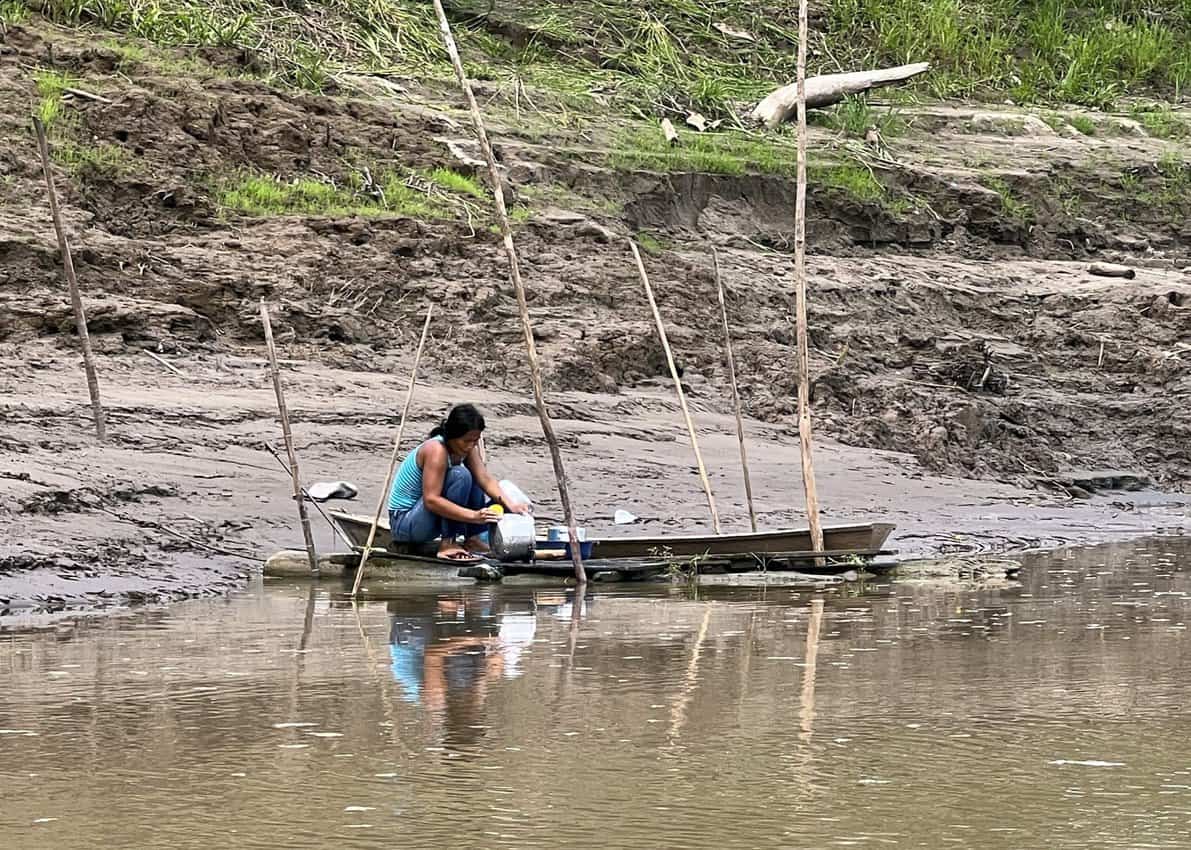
(463, 419)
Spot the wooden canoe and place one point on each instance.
(859, 537)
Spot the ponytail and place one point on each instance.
(462, 419)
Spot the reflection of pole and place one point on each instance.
(814, 626)
(308, 623)
(678, 711)
(385, 696)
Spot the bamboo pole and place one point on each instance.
(805, 440)
(283, 415)
(686, 413)
(384, 493)
(744, 459)
(506, 232)
(72, 283)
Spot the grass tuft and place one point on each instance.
(453, 181)
(13, 12)
(1161, 121)
(266, 195)
(706, 153)
(855, 181)
(1013, 207)
(103, 159)
(50, 86)
(1083, 124)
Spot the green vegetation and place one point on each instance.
(649, 243)
(391, 195)
(1087, 53)
(707, 153)
(854, 117)
(102, 159)
(1175, 176)
(1013, 207)
(13, 12)
(50, 86)
(850, 179)
(1162, 122)
(453, 181)
(1083, 124)
(737, 154)
(673, 55)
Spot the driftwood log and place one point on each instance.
(1112, 270)
(824, 90)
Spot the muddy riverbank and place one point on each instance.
(184, 500)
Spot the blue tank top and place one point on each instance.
(407, 484)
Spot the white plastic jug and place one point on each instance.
(513, 494)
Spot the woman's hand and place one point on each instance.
(484, 516)
(517, 507)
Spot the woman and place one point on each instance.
(443, 489)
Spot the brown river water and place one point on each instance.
(1046, 712)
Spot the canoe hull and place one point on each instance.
(859, 537)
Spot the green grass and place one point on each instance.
(854, 181)
(706, 153)
(1175, 175)
(453, 181)
(1162, 122)
(854, 117)
(266, 195)
(670, 55)
(650, 244)
(1013, 207)
(13, 12)
(83, 160)
(1083, 124)
(50, 86)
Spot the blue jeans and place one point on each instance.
(420, 525)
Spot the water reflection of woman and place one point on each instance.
(445, 654)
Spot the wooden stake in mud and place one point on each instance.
(804, 367)
(384, 493)
(686, 413)
(76, 299)
(283, 415)
(744, 459)
(506, 232)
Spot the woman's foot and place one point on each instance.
(478, 545)
(452, 552)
